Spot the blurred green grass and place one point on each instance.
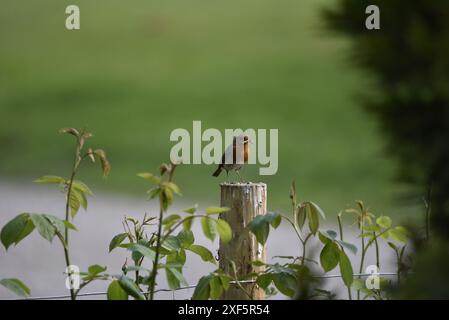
(137, 70)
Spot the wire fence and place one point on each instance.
(101, 293)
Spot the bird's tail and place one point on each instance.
(217, 172)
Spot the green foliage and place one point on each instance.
(16, 286)
(211, 286)
(50, 226)
(163, 249)
(22, 225)
(329, 256)
(116, 292)
(117, 240)
(260, 225)
(209, 228)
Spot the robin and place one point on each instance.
(236, 164)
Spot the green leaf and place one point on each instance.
(95, 269)
(331, 234)
(260, 227)
(59, 224)
(202, 289)
(170, 220)
(225, 280)
(358, 284)
(352, 248)
(173, 187)
(166, 198)
(16, 229)
(324, 238)
(300, 216)
(186, 238)
(141, 249)
(131, 288)
(29, 227)
(384, 221)
(50, 180)
(216, 210)
(273, 218)
(187, 224)
(137, 268)
(150, 177)
(399, 233)
(264, 280)
(191, 210)
(105, 165)
(203, 252)
(175, 279)
(171, 243)
(81, 186)
(176, 259)
(346, 269)
(312, 216)
(209, 227)
(117, 240)
(116, 292)
(74, 203)
(81, 197)
(154, 192)
(285, 283)
(216, 289)
(224, 230)
(16, 286)
(393, 246)
(43, 226)
(317, 209)
(329, 256)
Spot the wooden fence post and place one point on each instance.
(246, 201)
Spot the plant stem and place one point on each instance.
(376, 243)
(362, 260)
(76, 163)
(340, 227)
(156, 258)
(304, 243)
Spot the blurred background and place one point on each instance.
(134, 72)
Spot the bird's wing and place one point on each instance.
(229, 152)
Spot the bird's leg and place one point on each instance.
(238, 173)
(227, 176)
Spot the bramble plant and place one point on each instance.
(294, 278)
(49, 226)
(159, 243)
(164, 250)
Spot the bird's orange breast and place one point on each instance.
(245, 152)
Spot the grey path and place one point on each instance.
(41, 264)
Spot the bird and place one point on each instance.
(237, 163)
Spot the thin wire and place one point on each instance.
(99, 293)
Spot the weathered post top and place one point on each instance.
(246, 200)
